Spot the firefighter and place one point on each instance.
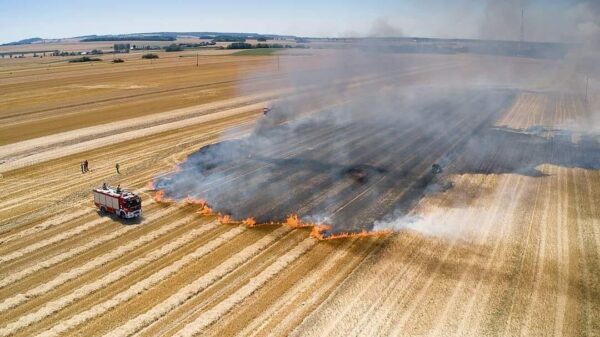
(104, 186)
(85, 166)
(81, 165)
(117, 167)
(119, 189)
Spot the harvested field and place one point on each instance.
(501, 243)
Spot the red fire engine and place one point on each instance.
(123, 203)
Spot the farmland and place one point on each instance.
(512, 248)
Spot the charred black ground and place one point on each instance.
(350, 167)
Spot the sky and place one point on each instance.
(20, 19)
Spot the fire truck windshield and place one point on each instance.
(134, 202)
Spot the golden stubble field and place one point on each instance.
(522, 259)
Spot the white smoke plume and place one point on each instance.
(354, 145)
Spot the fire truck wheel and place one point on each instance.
(102, 210)
(122, 215)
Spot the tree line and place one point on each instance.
(244, 45)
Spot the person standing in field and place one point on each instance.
(81, 165)
(85, 166)
(117, 167)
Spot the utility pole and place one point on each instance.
(522, 34)
(587, 85)
(197, 59)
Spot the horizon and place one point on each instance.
(250, 35)
(462, 19)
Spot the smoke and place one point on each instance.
(582, 65)
(359, 145)
(502, 20)
(373, 128)
(383, 28)
(574, 22)
(435, 224)
(379, 28)
(586, 18)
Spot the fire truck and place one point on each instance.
(117, 201)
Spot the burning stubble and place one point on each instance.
(343, 169)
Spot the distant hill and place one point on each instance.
(128, 38)
(213, 35)
(26, 41)
(159, 36)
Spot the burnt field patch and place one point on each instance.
(347, 167)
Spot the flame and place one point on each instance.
(225, 219)
(293, 221)
(160, 197)
(318, 233)
(205, 210)
(250, 222)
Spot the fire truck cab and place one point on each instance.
(117, 201)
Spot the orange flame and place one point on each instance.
(225, 219)
(149, 185)
(250, 222)
(160, 197)
(205, 210)
(293, 221)
(318, 233)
